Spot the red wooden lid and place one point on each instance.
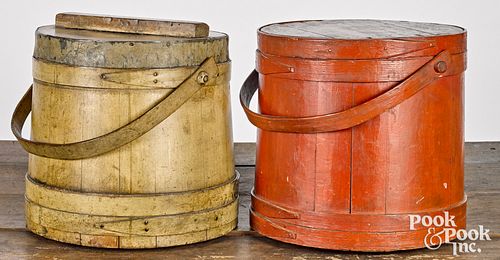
(359, 39)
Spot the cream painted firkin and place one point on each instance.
(131, 143)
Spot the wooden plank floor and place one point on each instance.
(482, 180)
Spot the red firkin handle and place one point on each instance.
(431, 71)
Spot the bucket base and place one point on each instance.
(131, 220)
(130, 242)
(55, 229)
(354, 232)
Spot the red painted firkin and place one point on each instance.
(360, 125)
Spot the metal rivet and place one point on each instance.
(131, 44)
(146, 229)
(101, 226)
(440, 67)
(155, 74)
(146, 222)
(103, 76)
(202, 77)
(155, 81)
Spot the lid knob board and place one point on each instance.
(360, 125)
(131, 142)
(108, 23)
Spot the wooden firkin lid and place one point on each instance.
(123, 24)
(124, 42)
(359, 39)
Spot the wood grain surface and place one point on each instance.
(110, 23)
(368, 131)
(124, 50)
(172, 161)
(359, 29)
(482, 185)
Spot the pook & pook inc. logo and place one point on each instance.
(442, 229)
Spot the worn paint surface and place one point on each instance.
(360, 126)
(174, 185)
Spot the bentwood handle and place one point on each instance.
(351, 117)
(206, 74)
(109, 23)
